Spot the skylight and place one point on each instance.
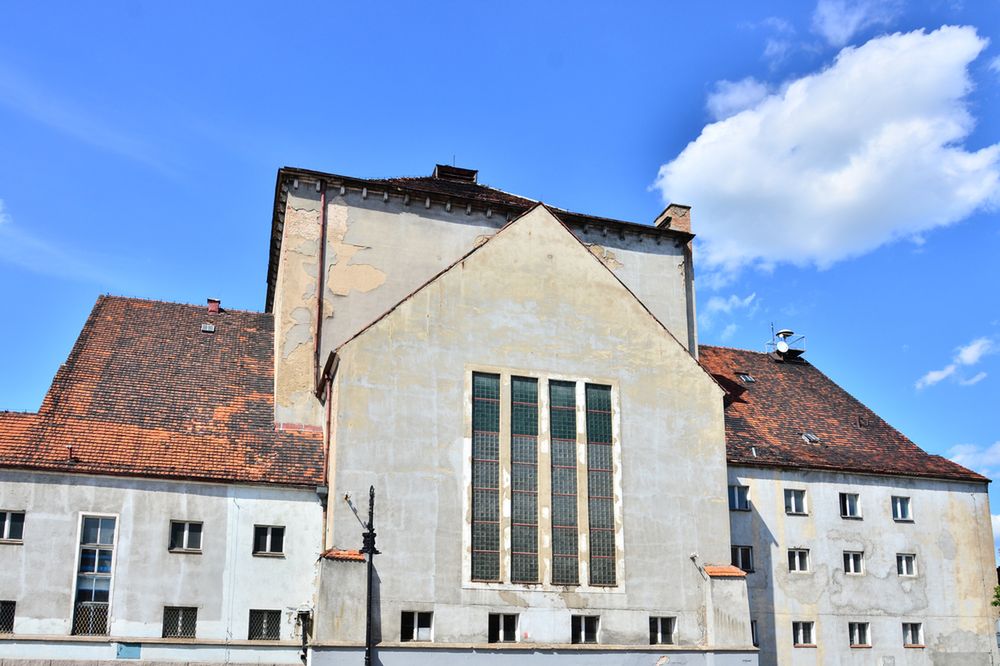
(746, 378)
(810, 437)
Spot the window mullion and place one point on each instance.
(505, 495)
(583, 485)
(544, 483)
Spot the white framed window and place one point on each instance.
(859, 635)
(906, 564)
(584, 628)
(850, 505)
(502, 628)
(854, 562)
(913, 634)
(739, 498)
(742, 557)
(184, 536)
(795, 502)
(798, 559)
(661, 630)
(94, 573)
(754, 636)
(12, 526)
(416, 626)
(802, 634)
(268, 540)
(901, 509)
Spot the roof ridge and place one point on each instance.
(142, 299)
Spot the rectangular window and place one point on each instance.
(859, 634)
(268, 540)
(562, 424)
(742, 557)
(524, 480)
(849, 506)
(754, 636)
(901, 508)
(802, 634)
(502, 628)
(179, 622)
(739, 498)
(600, 485)
(661, 630)
(906, 564)
(798, 559)
(415, 626)
(93, 580)
(11, 525)
(485, 477)
(185, 536)
(795, 501)
(265, 625)
(584, 628)
(854, 562)
(913, 634)
(7, 616)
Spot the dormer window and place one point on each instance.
(746, 378)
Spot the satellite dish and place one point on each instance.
(782, 347)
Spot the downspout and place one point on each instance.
(320, 284)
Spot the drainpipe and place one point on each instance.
(320, 283)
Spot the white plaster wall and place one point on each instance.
(224, 581)
(950, 534)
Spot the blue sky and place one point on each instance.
(841, 158)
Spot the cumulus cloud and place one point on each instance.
(982, 459)
(842, 161)
(839, 20)
(730, 97)
(718, 306)
(965, 355)
(995, 64)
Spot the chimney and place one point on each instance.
(455, 174)
(674, 216)
(213, 305)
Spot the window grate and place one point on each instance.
(265, 625)
(179, 621)
(562, 425)
(524, 479)
(600, 485)
(7, 617)
(485, 476)
(90, 619)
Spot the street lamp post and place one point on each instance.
(368, 548)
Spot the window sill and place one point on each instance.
(185, 551)
(804, 645)
(861, 647)
(852, 517)
(903, 520)
(795, 513)
(272, 555)
(746, 510)
(12, 542)
(914, 645)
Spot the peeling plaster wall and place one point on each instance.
(380, 251)
(532, 299)
(950, 535)
(224, 581)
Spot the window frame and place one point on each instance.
(736, 553)
(897, 503)
(265, 612)
(270, 532)
(859, 634)
(75, 601)
(844, 506)
(656, 635)
(182, 612)
(5, 526)
(4, 614)
(908, 634)
(502, 633)
(415, 626)
(186, 548)
(901, 560)
(580, 629)
(737, 492)
(799, 628)
(853, 556)
(798, 555)
(790, 509)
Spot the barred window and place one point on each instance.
(7, 616)
(562, 420)
(600, 485)
(524, 479)
(485, 477)
(179, 621)
(265, 625)
(11, 525)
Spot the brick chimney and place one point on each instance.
(674, 216)
(214, 305)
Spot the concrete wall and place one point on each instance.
(533, 301)
(224, 581)
(378, 251)
(420, 655)
(950, 534)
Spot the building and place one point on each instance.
(562, 473)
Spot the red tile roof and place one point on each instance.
(765, 422)
(146, 393)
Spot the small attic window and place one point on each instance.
(810, 437)
(746, 378)
(863, 421)
(208, 328)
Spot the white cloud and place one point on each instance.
(775, 50)
(966, 355)
(982, 459)
(717, 306)
(995, 64)
(839, 20)
(839, 162)
(728, 332)
(731, 97)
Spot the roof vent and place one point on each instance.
(456, 174)
(785, 346)
(214, 305)
(208, 328)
